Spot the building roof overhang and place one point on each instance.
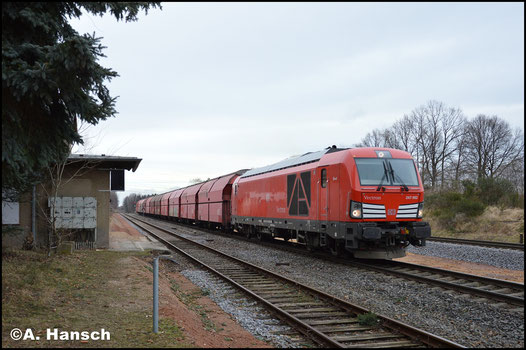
(104, 161)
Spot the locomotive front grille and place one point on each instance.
(407, 211)
(373, 211)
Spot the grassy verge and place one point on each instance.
(85, 291)
(191, 301)
(494, 224)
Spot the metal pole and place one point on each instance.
(156, 290)
(156, 295)
(34, 216)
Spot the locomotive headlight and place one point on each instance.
(356, 210)
(420, 210)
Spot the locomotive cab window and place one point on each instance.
(323, 178)
(393, 172)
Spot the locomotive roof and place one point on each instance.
(308, 157)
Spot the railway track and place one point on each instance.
(499, 293)
(325, 319)
(505, 245)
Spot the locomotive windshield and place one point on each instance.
(390, 172)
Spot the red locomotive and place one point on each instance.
(365, 201)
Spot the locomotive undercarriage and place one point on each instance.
(367, 240)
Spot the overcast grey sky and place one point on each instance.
(209, 88)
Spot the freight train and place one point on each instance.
(366, 202)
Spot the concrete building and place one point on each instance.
(76, 199)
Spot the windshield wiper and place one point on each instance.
(383, 177)
(398, 177)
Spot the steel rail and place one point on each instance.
(376, 265)
(387, 267)
(409, 331)
(304, 328)
(505, 245)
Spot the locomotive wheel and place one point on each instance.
(260, 235)
(336, 251)
(310, 240)
(335, 248)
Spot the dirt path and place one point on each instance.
(202, 321)
(121, 229)
(465, 267)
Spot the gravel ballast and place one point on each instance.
(454, 316)
(248, 314)
(457, 317)
(502, 258)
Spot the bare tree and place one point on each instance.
(376, 138)
(448, 148)
(493, 146)
(390, 139)
(458, 164)
(402, 131)
(452, 130)
(58, 176)
(430, 134)
(114, 200)
(420, 135)
(515, 174)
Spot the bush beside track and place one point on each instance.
(490, 210)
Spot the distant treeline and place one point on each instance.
(129, 202)
(454, 153)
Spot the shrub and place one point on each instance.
(445, 206)
(493, 191)
(469, 188)
(368, 319)
(469, 207)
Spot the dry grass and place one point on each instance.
(83, 291)
(495, 224)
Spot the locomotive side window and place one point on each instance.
(323, 178)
